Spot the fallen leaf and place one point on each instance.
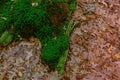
(29, 54)
(117, 56)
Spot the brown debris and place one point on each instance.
(95, 41)
(94, 48)
(21, 61)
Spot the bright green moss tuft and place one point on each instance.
(54, 50)
(25, 18)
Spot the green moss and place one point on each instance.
(54, 49)
(2, 3)
(72, 6)
(61, 0)
(25, 18)
(5, 17)
(28, 20)
(45, 34)
(6, 38)
(63, 58)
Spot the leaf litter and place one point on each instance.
(94, 52)
(95, 41)
(21, 61)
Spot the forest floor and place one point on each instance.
(95, 41)
(94, 52)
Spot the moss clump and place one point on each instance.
(45, 34)
(6, 38)
(54, 49)
(40, 20)
(25, 18)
